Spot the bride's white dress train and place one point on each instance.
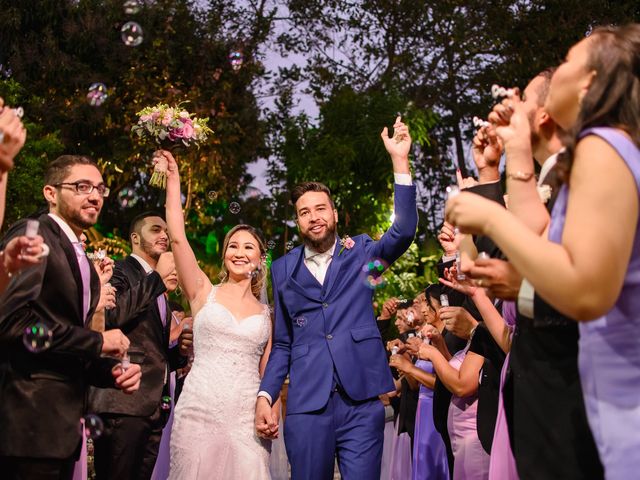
(213, 434)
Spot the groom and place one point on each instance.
(326, 336)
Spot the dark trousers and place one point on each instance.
(352, 431)
(128, 448)
(25, 468)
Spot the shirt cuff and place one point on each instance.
(525, 298)
(264, 394)
(448, 258)
(402, 179)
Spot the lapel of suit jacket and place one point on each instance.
(72, 258)
(155, 311)
(335, 267)
(293, 262)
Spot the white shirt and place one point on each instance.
(318, 270)
(527, 293)
(147, 268)
(64, 226)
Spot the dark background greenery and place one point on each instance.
(361, 61)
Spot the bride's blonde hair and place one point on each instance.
(257, 281)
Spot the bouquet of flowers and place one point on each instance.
(169, 127)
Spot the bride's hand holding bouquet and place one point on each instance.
(170, 128)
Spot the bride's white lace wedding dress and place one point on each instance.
(213, 435)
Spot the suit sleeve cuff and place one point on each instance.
(402, 179)
(264, 394)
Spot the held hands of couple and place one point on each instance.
(266, 420)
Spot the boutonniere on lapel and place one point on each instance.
(347, 243)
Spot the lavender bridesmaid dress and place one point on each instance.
(429, 453)
(502, 465)
(471, 462)
(609, 355)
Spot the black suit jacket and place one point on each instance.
(138, 316)
(42, 395)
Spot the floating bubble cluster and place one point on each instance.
(127, 197)
(97, 94)
(37, 338)
(131, 34)
(372, 273)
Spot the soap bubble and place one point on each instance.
(289, 245)
(234, 207)
(37, 338)
(92, 425)
(165, 403)
(372, 273)
(97, 94)
(212, 195)
(131, 7)
(271, 244)
(236, 60)
(300, 321)
(131, 34)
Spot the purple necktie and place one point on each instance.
(162, 307)
(85, 272)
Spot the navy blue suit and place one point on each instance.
(326, 336)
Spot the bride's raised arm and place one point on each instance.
(193, 280)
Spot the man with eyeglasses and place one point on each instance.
(43, 390)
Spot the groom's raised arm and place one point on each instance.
(398, 238)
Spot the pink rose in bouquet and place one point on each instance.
(169, 127)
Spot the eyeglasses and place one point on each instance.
(85, 188)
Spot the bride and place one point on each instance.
(213, 435)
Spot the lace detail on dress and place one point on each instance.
(213, 435)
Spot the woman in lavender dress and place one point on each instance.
(589, 269)
(429, 459)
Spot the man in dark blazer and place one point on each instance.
(326, 337)
(129, 445)
(43, 392)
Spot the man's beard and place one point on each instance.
(75, 217)
(323, 243)
(147, 247)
